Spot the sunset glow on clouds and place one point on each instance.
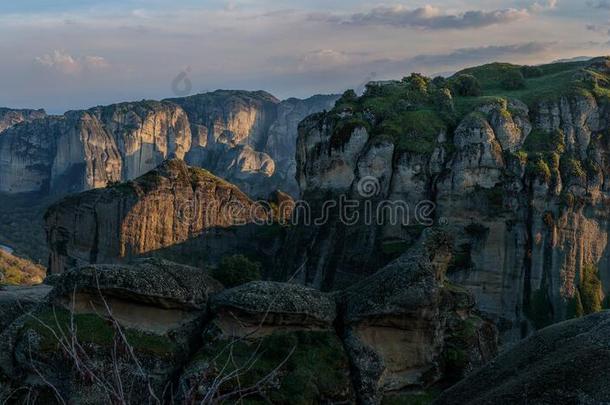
(64, 54)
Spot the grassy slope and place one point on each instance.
(17, 271)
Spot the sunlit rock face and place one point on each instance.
(248, 138)
(168, 206)
(81, 150)
(522, 186)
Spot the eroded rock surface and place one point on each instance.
(246, 137)
(520, 185)
(564, 363)
(406, 327)
(166, 207)
(105, 328)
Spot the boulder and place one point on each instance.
(266, 303)
(272, 341)
(567, 363)
(17, 300)
(406, 328)
(107, 332)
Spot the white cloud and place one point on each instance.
(61, 61)
(544, 5)
(431, 17)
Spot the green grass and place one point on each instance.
(414, 131)
(556, 80)
(92, 329)
(316, 370)
(412, 112)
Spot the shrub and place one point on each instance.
(540, 310)
(417, 83)
(467, 86)
(531, 71)
(540, 169)
(349, 96)
(439, 82)
(590, 289)
(236, 270)
(513, 80)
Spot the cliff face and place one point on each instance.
(248, 138)
(168, 206)
(88, 149)
(519, 179)
(10, 117)
(245, 137)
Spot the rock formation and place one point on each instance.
(406, 327)
(10, 117)
(519, 180)
(107, 331)
(565, 363)
(166, 207)
(245, 137)
(170, 331)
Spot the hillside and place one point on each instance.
(17, 271)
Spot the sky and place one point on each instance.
(70, 54)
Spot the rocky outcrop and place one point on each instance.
(173, 333)
(565, 363)
(246, 137)
(280, 323)
(406, 327)
(17, 300)
(106, 332)
(10, 117)
(149, 281)
(521, 186)
(166, 207)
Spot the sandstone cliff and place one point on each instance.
(245, 137)
(168, 206)
(517, 174)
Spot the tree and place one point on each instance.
(439, 82)
(467, 86)
(513, 80)
(236, 270)
(531, 71)
(349, 96)
(417, 82)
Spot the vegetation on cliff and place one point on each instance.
(18, 271)
(236, 270)
(414, 111)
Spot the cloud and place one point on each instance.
(542, 6)
(600, 4)
(328, 58)
(63, 62)
(466, 56)
(431, 17)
